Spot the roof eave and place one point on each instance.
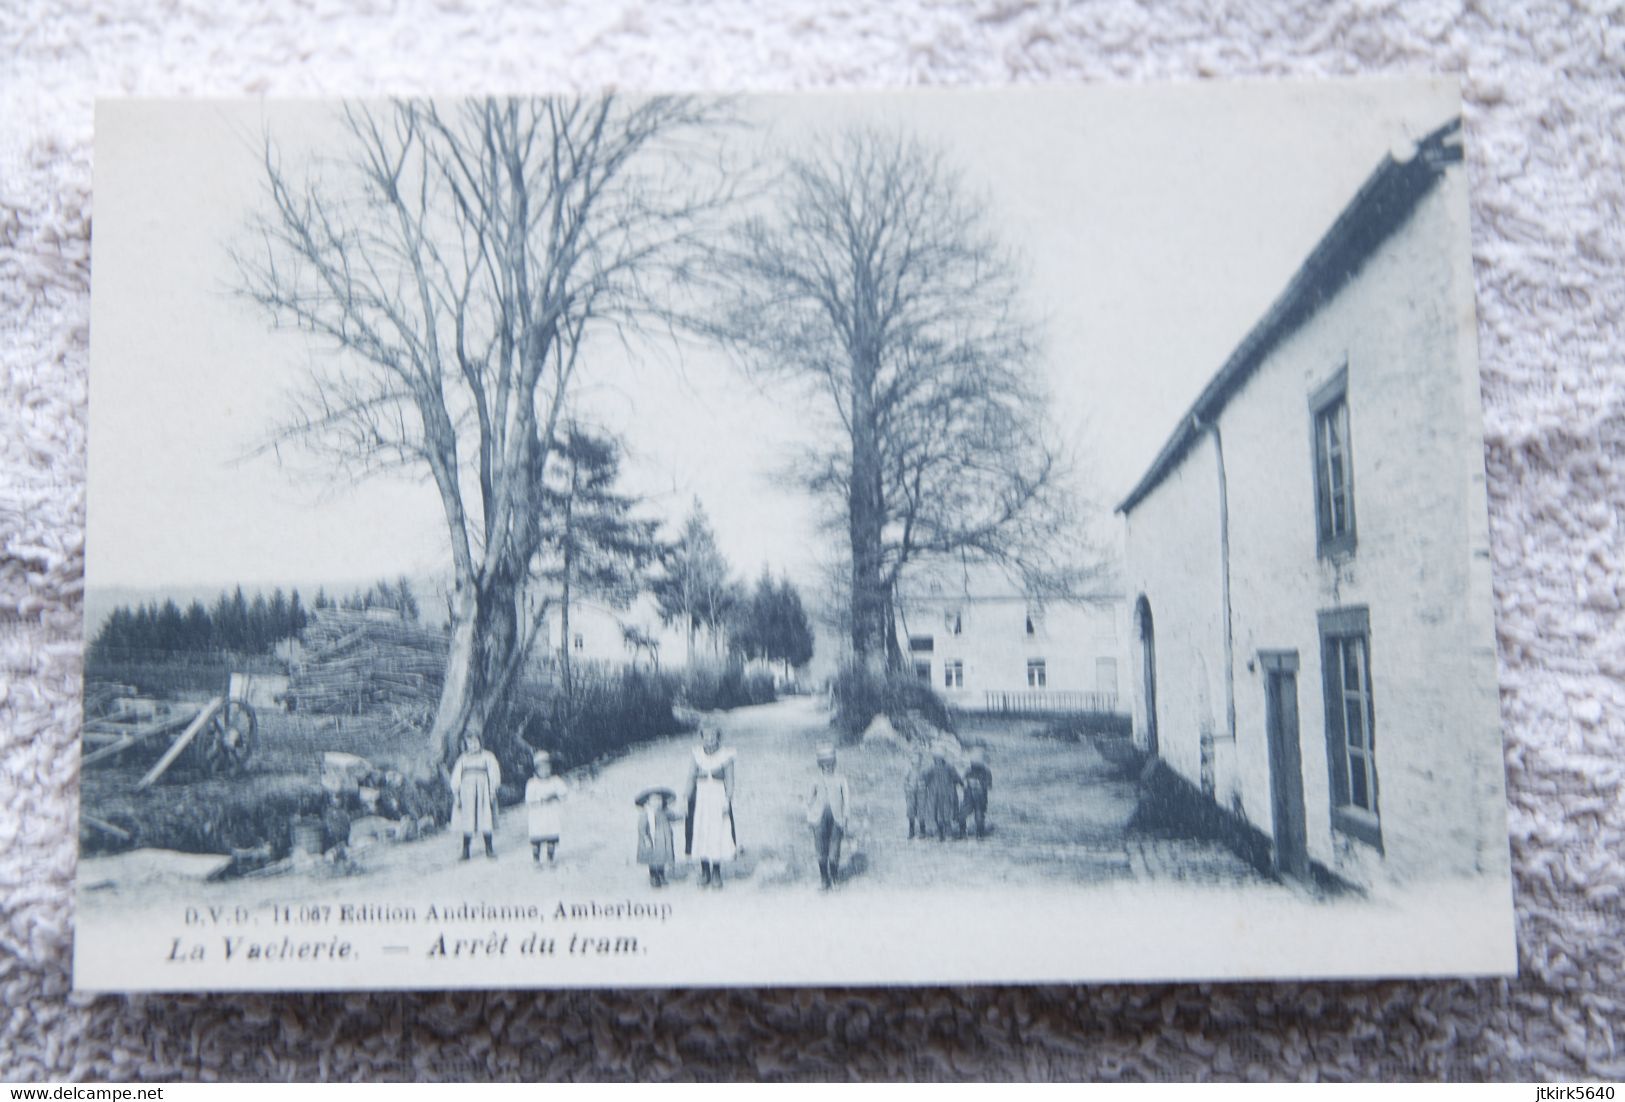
(1383, 203)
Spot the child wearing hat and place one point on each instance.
(544, 807)
(978, 783)
(826, 814)
(655, 846)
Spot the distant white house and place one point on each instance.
(984, 645)
(602, 634)
(1308, 556)
(597, 635)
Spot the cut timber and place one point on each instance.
(200, 721)
(129, 740)
(102, 824)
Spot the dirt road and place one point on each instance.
(1058, 812)
(1057, 815)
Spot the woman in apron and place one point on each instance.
(709, 830)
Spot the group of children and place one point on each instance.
(475, 778)
(937, 796)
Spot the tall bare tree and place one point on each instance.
(458, 259)
(876, 281)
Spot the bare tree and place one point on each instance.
(458, 259)
(876, 281)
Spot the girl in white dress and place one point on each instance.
(544, 807)
(709, 828)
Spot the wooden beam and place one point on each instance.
(181, 743)
(102, 824)
(129, 740)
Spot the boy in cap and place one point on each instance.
(826, 814)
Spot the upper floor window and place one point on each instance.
(921, 644)
(580, 641)
(952, 622)
(1035, 619)
(1334, 468)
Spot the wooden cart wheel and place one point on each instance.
(231, 738)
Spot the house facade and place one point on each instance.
(1308, 564)
(984, 646)
(597, 635)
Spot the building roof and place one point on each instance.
(956, 583)
(1380, 207)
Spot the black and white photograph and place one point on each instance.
(608, 540)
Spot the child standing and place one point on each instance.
(544, 807)
(914, 794)
(655, 846)
(826, 814)
(978, 783)
(941, 786)
(474, 781)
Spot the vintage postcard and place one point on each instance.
(928, 537)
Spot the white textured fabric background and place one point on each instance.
(1545, 130)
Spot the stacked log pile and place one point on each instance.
(353, 662)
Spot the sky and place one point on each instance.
(1155, 224)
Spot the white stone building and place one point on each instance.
(983, 645)
(1308, 564)
(597, 635)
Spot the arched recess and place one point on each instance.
(1145, 629)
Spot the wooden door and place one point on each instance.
(1286, 762)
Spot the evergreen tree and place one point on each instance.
(772, 624)
(199, 630)
(296, 616)
(694, 587)
(278, 626)
(258, 635)
(406, 601)
(594, 545)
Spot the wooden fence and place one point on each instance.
(1043, 702)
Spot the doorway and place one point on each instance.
(1148, 670)
(1286, 762)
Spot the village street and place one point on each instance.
(1057, 814)
(1060, 882)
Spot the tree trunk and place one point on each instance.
(564, 633)
(866, 513)
(894, 649)
(480, 666)
(564, 615)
